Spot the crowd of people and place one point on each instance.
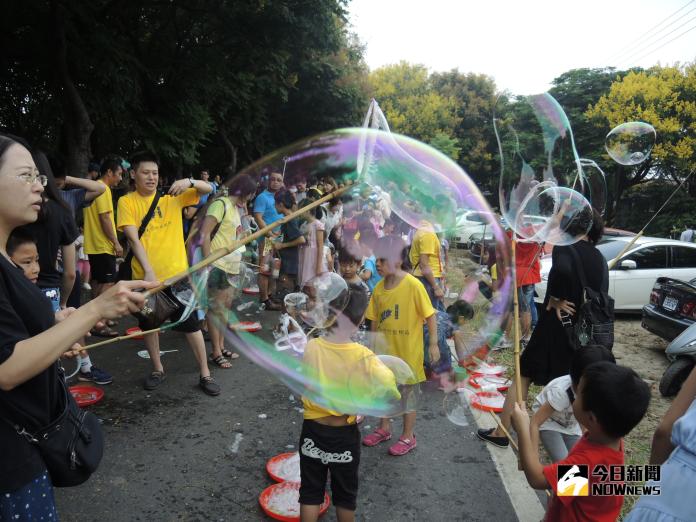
(64, 236)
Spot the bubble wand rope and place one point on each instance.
(222, 252)
(613, 262)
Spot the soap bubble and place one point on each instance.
(430, 192)
(388, 382)
(595, 189)
(630, 143)
(327, 296)
(541, 173)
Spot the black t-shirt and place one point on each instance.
(55, 229)
(564, 281)
(289, 257)
(24, 312)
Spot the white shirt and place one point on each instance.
(562, 419)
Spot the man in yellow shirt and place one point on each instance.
(101, 243)
(160, 252)
(425, 258)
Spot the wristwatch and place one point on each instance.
(191, 182)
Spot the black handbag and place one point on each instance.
(594, 323)
(72, 445)
(158, 308)
(125, 270)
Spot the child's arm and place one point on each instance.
(662, 443)
(295, 242)
(529, 454)
(433, 349)
(544, 412)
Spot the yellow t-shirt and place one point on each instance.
(400, 314)
(425, 242)
(348, 373)
(96, 241)
(230, 229)
(163, 239)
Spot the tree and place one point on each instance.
(410, 103)
(474, 97)
(447, 145)
(663, 97)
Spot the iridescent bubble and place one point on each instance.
(595, 184)
(386, 381)
(630, 143)
(430, 193)
(541, 173)
(327, 296)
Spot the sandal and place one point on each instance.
(229, 354)
(402, 446)
(377, 436)
(221, 362)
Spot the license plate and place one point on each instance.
(670, 303)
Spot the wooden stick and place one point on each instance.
(222, 252)
(625, 249)
(516, 326)
(119, 338)
(512, 442)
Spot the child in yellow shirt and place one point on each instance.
(330, 439)
(398, 308)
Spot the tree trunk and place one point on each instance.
(230, 150)
(77, 124)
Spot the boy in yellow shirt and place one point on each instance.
(330, 439)
(398, 308)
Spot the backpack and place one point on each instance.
(594, 322)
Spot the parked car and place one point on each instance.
(472, 222)
(672, 307)
(682, 354)
(633, 276)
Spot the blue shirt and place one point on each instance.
(371, 265)
(265, 205)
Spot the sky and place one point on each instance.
(525, 44)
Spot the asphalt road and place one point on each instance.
(175, 454)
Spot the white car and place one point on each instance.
(633, 276)
(472, 222)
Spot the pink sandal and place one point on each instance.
(402, 446)
(377, 436)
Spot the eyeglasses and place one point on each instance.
(32, 177)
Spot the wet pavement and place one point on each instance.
(175, 454)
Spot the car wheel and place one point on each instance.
(675, 375)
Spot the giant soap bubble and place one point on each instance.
(630, 143)
(416, 183)
(541, 174)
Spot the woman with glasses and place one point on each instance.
(32, 338)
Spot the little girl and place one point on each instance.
(398, 307)
(312, 256)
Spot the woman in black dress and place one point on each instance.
(32, 338)
(549, 352)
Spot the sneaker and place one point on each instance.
(86, 286)
(95, 375)
(209, 386)
(153, 380)
(502, 344)
(486, 434)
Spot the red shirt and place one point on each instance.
(527, 264)
(589, 508)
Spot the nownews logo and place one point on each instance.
(573, 480)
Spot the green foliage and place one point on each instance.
(447, 145)
(199, 82)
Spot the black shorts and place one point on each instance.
(325, 449)
(103, 268)
(190, 325)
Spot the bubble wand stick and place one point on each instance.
(613, 262)
(222, 252)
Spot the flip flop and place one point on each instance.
(229, 354)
